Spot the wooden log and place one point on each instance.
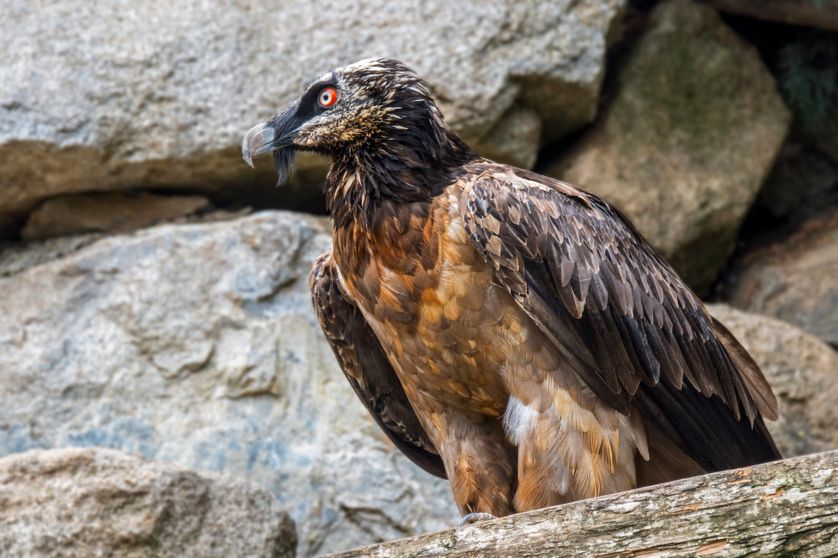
(813, 13)
(784, 508)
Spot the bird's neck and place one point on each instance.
(395, 171)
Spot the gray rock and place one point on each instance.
(17, 256)
(118, 212)
(687, 140)
(801, 369)
(511, 139)
(197, 344)
(794, 279)
(86, 502)
(158, 94)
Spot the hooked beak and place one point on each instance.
(259, 140)
(274, 136)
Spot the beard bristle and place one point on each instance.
(284, 161)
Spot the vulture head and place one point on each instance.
(369, 112)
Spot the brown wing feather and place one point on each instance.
(367, 368)
(624, 320)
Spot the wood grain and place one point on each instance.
(785, 508)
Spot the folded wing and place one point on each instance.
(622, 318)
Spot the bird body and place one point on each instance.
(474, 366)
(506, 330)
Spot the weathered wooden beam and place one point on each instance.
(785, 508)
(815, 13)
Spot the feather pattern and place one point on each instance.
(366, 367)
(626, 323)
(506, 330)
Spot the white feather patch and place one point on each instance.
(518, 420)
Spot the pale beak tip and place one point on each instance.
(257, 141)
(248, 158)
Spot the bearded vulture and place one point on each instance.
(507, 331)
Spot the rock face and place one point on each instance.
(120, 212)
(802, 370)
(197, 344)
(794, 279)
(687, 140)
(103, 99)
(106, 503)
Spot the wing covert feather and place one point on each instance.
(624, 320)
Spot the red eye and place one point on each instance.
(328, 97)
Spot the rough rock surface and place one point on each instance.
(802, 370)
(794, 279)
(687, 140)
(143, 94)
(95, 502)
(197, 344)
(120, 212)
(17, 256)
